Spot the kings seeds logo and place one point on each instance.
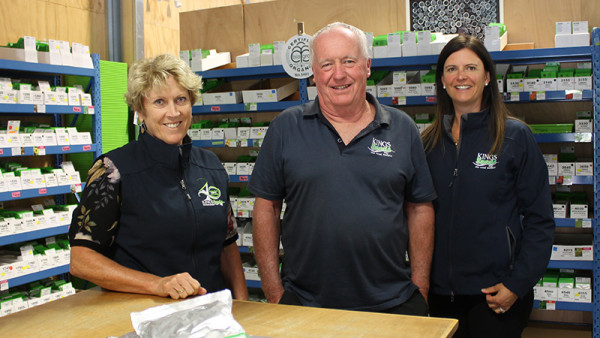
(381, 148)
(486, 161)
(212, 196)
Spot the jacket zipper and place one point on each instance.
(191, 204)
(451, 186)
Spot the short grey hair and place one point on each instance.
(362, 38)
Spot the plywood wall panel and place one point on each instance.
(266, 22)
(82, 21)
(534, 20)
(220, 28)
(163, 41)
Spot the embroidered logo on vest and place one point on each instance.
(212, 196)
(486, 161)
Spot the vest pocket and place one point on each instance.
(512, 244)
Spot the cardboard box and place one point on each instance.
(584, 168)
(560, 209)
(213, 60)
(566, 169)
(229, 93)
(572, 252)
(578, 211)
(584, 126)
(270, 90)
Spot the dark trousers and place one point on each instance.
(415, 305)
(476, 319)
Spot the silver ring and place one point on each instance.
(501, 309)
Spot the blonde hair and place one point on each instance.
(149, 73)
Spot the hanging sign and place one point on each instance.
(296, 57)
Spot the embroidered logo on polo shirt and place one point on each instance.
(212, 196)
(381, 148)
(486, 161)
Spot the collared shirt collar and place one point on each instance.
(382, 117)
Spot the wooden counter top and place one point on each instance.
(101, 313)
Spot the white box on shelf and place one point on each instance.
(270, 90)
(578, 211)
(584, 168)
(229, 93)
(560, 210)
(241, 61)
(572, 252)
(566, 169)
(213, 60)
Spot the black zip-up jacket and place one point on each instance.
(494, 219)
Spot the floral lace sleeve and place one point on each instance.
(95, 220)
(232, 234)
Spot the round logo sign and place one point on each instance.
(296, 57)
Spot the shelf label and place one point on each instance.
(4, 285)
(89, 110)
(252, 106)
(15, 194)
(66, 148)
(42, 191)
(15, 151)
(564, 180)
(548, 305)
(399, 101)
(244, 178)
(76, 109)
(87, 147)
(41, 150)
(39, 108)
(583, 223)
(1, 151)
(215, 108)
(514, 96)
(574, 95)
(540, 96)
(76, 188)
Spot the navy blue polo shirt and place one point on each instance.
(344, 231)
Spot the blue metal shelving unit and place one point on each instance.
(596, 221)
(54, 72)
(517, 57)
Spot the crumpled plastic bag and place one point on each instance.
(203, 316)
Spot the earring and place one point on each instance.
(142, 127)
(486, 84)
(444, 87)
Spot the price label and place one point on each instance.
(87, 147)
(253, 106)
(43, 191)
(76, 109)
(39, 108)
(215, 108)
(514, 97)
(399, 101)
(4, 285)
(540, 96)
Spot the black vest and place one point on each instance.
(173, 210)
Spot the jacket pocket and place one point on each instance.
(512, 245)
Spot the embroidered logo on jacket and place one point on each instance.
(486, 161)
(212, 196)
(381, 148)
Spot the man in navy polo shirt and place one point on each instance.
(358, 192)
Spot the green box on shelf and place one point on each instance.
(380, 40)
(267, 47)
(534, 74)
(515, 75)
(566, 72)
(551, 128)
